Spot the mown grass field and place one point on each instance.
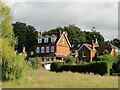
(46, 79)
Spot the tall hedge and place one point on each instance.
(101, 68)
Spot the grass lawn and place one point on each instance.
(46, 79)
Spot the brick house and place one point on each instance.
(52, 47)
(88, 52)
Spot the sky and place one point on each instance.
(49, 14)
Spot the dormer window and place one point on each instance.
(46, 40)
(39, 40)
(52, 38)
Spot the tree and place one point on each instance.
(116, 42)
(12, 64)
(94, 34)
(26, 34)
(75, 35)
(70, 60)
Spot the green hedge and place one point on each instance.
(55, 66)
(101, 67)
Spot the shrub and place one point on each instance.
(109, 59)
(36, 62)
(13, 65)
(55, 66)
(116, 68)
(70, 60)
(100, 67)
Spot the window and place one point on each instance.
(52, 49)
(46, 40)
(38, 50)
(76, 51)
(39, 40)
(50, 59)
(47, 59)
(42, 49)
(54, 58)
(32, 53)
(62, 40)
(52, 39)
(84, 54)
(78, 45)
(73, 45)
(43, 59)
(47, 49)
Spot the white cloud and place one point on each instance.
(48, 15)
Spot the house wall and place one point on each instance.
(92, 55)
(80, 56)
(63, 48)
(112, 52)
(44, 48)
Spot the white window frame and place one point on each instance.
(39, 40)
(46, 40)
(47, 49)
(32, 53)
(52, 48)
(42, 50)
(76, 52)
(83, 54)
(52, 38)
(38, 50)
(63, 40)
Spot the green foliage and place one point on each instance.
(26, 34)
(36, 62)
(94, 34)
(75, 33)
(13, 65)
(109, 59)
(100, 67)
(116, 42)
(106, 58)
(55, 66)
(70, 60)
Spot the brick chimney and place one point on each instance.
(66, 33)
(60, 33)
(93, 44)
(96, 43)
(40, 33)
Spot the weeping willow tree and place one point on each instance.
(13, 65)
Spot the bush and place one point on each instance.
(70, 60)
(110, 60)
(115, 67)
(13, 65)
(101, 68)
(36, 62)
(55, 66)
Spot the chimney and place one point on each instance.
(96, 43)
(60, 33)
(66, 33)
(40, 33)
(93, 44)
(24, 51)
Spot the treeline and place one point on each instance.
(27, 35)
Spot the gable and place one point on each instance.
(63, 40)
